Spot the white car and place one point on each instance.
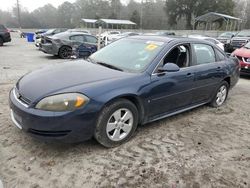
(122, 35)
(213, 40)
(109, 34)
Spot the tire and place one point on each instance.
(121, 130)
(1, 41)
(65, 52)
(222, 93)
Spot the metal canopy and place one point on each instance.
(89, 20)
(214, 16)
(117, 22)
(232, 23)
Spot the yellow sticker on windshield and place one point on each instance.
(151, 47)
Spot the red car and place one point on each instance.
(243, 54)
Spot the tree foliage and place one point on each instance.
(156, 14)
(189, 9)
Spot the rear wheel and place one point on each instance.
(1, 41)
(116, 123)
(65, 52)
(221, 95)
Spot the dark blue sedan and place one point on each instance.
(132, 81)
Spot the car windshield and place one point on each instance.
(226, 35)
(243, 34)
(50, 31)
(132, 55)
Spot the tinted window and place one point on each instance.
(220, 55)
(90, 39)
(78, 38)
(204, 54)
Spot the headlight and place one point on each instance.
(63, 102)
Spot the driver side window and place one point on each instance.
(179, 55)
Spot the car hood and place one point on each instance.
(55, 78)
(242, 52)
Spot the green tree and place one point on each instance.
(135, 17)
(177, 9)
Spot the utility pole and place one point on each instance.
(141, 14)
(18, 14)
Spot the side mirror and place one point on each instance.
(232, 36)
(169, 67)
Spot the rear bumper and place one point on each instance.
(49, 48)
(67, 127)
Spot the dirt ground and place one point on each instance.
(205, 147)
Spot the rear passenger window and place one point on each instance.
(77, 38)
(90, 39)
(204, 54)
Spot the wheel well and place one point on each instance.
(138, 105)
(227, 79)
(65, 46)
(136, 102)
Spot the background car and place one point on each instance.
(134, 80)
(61, 44)
(79, 30)
(113, 38)
(108, 34)
(165, 33)
(239, 40)
(243, 54)
(226, 37)
(210, 39)
(40, 37)
(4, 35)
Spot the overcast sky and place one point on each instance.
(33, 4)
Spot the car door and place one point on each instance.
(208, 72)
(171, 91)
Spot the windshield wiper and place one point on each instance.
(109, 66)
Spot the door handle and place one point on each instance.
(218, 68)
(189, 74)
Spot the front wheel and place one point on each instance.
(116, 123)
(221, 95)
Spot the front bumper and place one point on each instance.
(245, 68)
(68, 127)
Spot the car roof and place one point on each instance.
(167, 39)
(70, 33)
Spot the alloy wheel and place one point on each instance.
(119, 124)
(221, 95)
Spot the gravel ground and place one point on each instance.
(205, 147)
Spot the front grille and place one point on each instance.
(238, 43)
(49, 133)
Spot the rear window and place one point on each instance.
(2, 27)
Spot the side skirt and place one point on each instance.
(175, 112)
